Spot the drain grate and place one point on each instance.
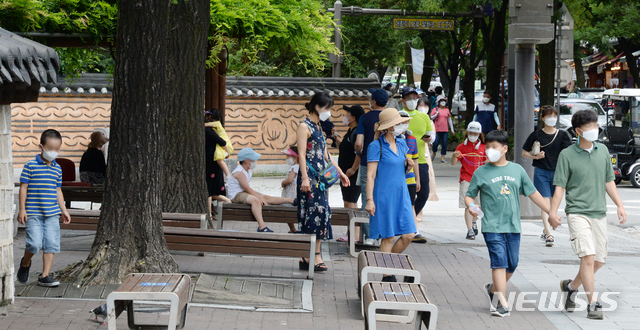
(252, 293)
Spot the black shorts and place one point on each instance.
(351, 194)
(412, 192)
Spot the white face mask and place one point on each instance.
(494, 155)
(472, 138)
(398, 129)
(442, 104)
(345, 120)
(412, 104)
(551, 121)
(49, 155)
(324, 115)
(590, 135)
(253, 165)
(423, 109)
(485, 99)
(290, 161)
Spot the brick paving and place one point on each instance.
(453, 276)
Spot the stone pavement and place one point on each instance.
(453, 269)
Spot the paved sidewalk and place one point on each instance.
(453, 269)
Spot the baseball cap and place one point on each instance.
(419, 91)
(355, 111)
(248, 153)
(379, 96)
(474, 127)
(408, 90)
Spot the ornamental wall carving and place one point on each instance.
(268, 125)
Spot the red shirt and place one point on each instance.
(471, 158)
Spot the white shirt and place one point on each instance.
(233, 184)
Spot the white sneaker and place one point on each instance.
(370, 241)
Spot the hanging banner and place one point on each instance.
(423, 24)
(417, 60)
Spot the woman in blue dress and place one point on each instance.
(314, 213)
(388, 200)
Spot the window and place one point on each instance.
(569, 108)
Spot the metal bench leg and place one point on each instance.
(312, 257)
(173, 312)
(219, 207)
(183, 317)
(370, 317)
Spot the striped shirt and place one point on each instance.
(412, 153)
(43, 181)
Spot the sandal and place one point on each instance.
(549, 241)
(344, 238)
(304, 265)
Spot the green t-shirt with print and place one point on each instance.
(499, 188)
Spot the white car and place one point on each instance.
(459, 103)
(569, 106)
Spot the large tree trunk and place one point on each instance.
(631, 60)
(428, 64)
(183, 183)
(408, 63)
(494, 39)
(129, 236)
(547, 66)
(577, 60)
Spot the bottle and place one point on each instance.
(475, 208)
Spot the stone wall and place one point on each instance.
(266, 124)
(6, 205)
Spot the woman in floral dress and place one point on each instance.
(314, 213)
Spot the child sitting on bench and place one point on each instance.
(240, 192)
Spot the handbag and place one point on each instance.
(329, 176)
(535, 148)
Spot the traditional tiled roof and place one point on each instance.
(24, 66)
(262, 87)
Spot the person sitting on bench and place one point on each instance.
(240, 192)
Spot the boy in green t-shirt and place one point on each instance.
(584, 171)
(500, 183)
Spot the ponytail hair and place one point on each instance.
(321, 99)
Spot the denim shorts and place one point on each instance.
(43, 233)
(543, 181)
(504, 250)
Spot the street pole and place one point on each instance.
(523, 111)
(558, 62)
(337, 38)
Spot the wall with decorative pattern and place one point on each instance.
(267, 125)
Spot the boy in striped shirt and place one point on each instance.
(412, 174)
(41, 204)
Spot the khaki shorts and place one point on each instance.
(588, 236)
(464, 186)
(241, 198)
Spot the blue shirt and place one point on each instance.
(366, 127)
(42, 192)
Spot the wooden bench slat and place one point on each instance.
(395, 287)
(371, 258)
(417, 293)
(129, 283)
(236, 242)
(379, 260)
(406, 262)
(395, 261)
(235, 234)
(235, 250)
(407, 288)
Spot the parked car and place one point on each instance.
(569, 106)
(591, 93)
(459, 103)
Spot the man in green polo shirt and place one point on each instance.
(584, 171)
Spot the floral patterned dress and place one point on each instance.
(314, 213)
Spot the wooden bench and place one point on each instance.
(252, 243)
(150, 287)
(82, 194)
(340, 216)
(372, 262)
(88, 220)
(398, 297)
(184, 232)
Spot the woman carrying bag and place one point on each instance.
(544, 147)
(388, 200)
(317, 172)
